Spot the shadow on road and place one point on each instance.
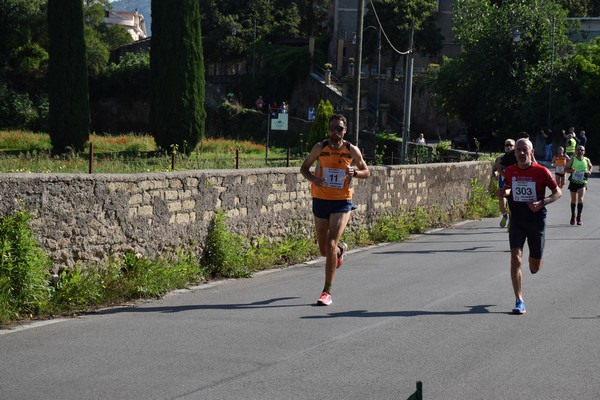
(479, 249)
(466, 231)
(234, 306)
(481, 309)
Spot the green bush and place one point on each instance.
(388, 145)
(482, 202)
(263, 254)
(423, 154)
(17, 110)
(390, 228)
(23, 269)
(77, 289)
(130, 277)
(419, 220)
(223, 256)
(441, 148)
(151, 279)
(129, 78)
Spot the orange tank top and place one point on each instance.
(331, 166)
(560, 161)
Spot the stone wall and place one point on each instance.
(90, 217)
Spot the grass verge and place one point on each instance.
(22, 151)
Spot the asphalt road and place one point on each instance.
(434, 309)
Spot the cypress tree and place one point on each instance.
(177, 113)
(69, 110)
(320, 129)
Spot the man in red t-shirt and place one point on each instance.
(525, 186)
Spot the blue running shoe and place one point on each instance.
(519, 307)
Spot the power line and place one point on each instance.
(385, 35)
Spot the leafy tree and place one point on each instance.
(24, 56)
(273, 20)
(594, 7)
(319, 130)
(396, 19)
(579, 84)
(69, 114)
(101, 39)
(22, 22)
(577, 8)
(497, 84)
(177, 112)
(313, 16)
(23, 43)
(128, 79)
(291, 66)
(16, 109)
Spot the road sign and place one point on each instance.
(280, 123)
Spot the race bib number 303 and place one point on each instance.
(523, 191)
(334, 177)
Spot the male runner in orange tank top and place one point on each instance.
(338, 162)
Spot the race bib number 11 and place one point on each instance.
(334, 177)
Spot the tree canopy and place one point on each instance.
(24, 48)
(230, 31)
(500, 82)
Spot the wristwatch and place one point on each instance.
(355, 172)
(544, 202)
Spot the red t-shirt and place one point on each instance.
(527, 185)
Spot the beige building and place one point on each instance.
(589, 29)
(132, 21)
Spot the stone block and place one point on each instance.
(135, 199)
(174, 206)
(145, 210)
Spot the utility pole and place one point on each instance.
(378, 29)
(408, 73)
(552, 27)
(357, 62)
(378, 74)
(254, 52)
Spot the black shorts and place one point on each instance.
(531, 230)
(574, 187)
(324, 208)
